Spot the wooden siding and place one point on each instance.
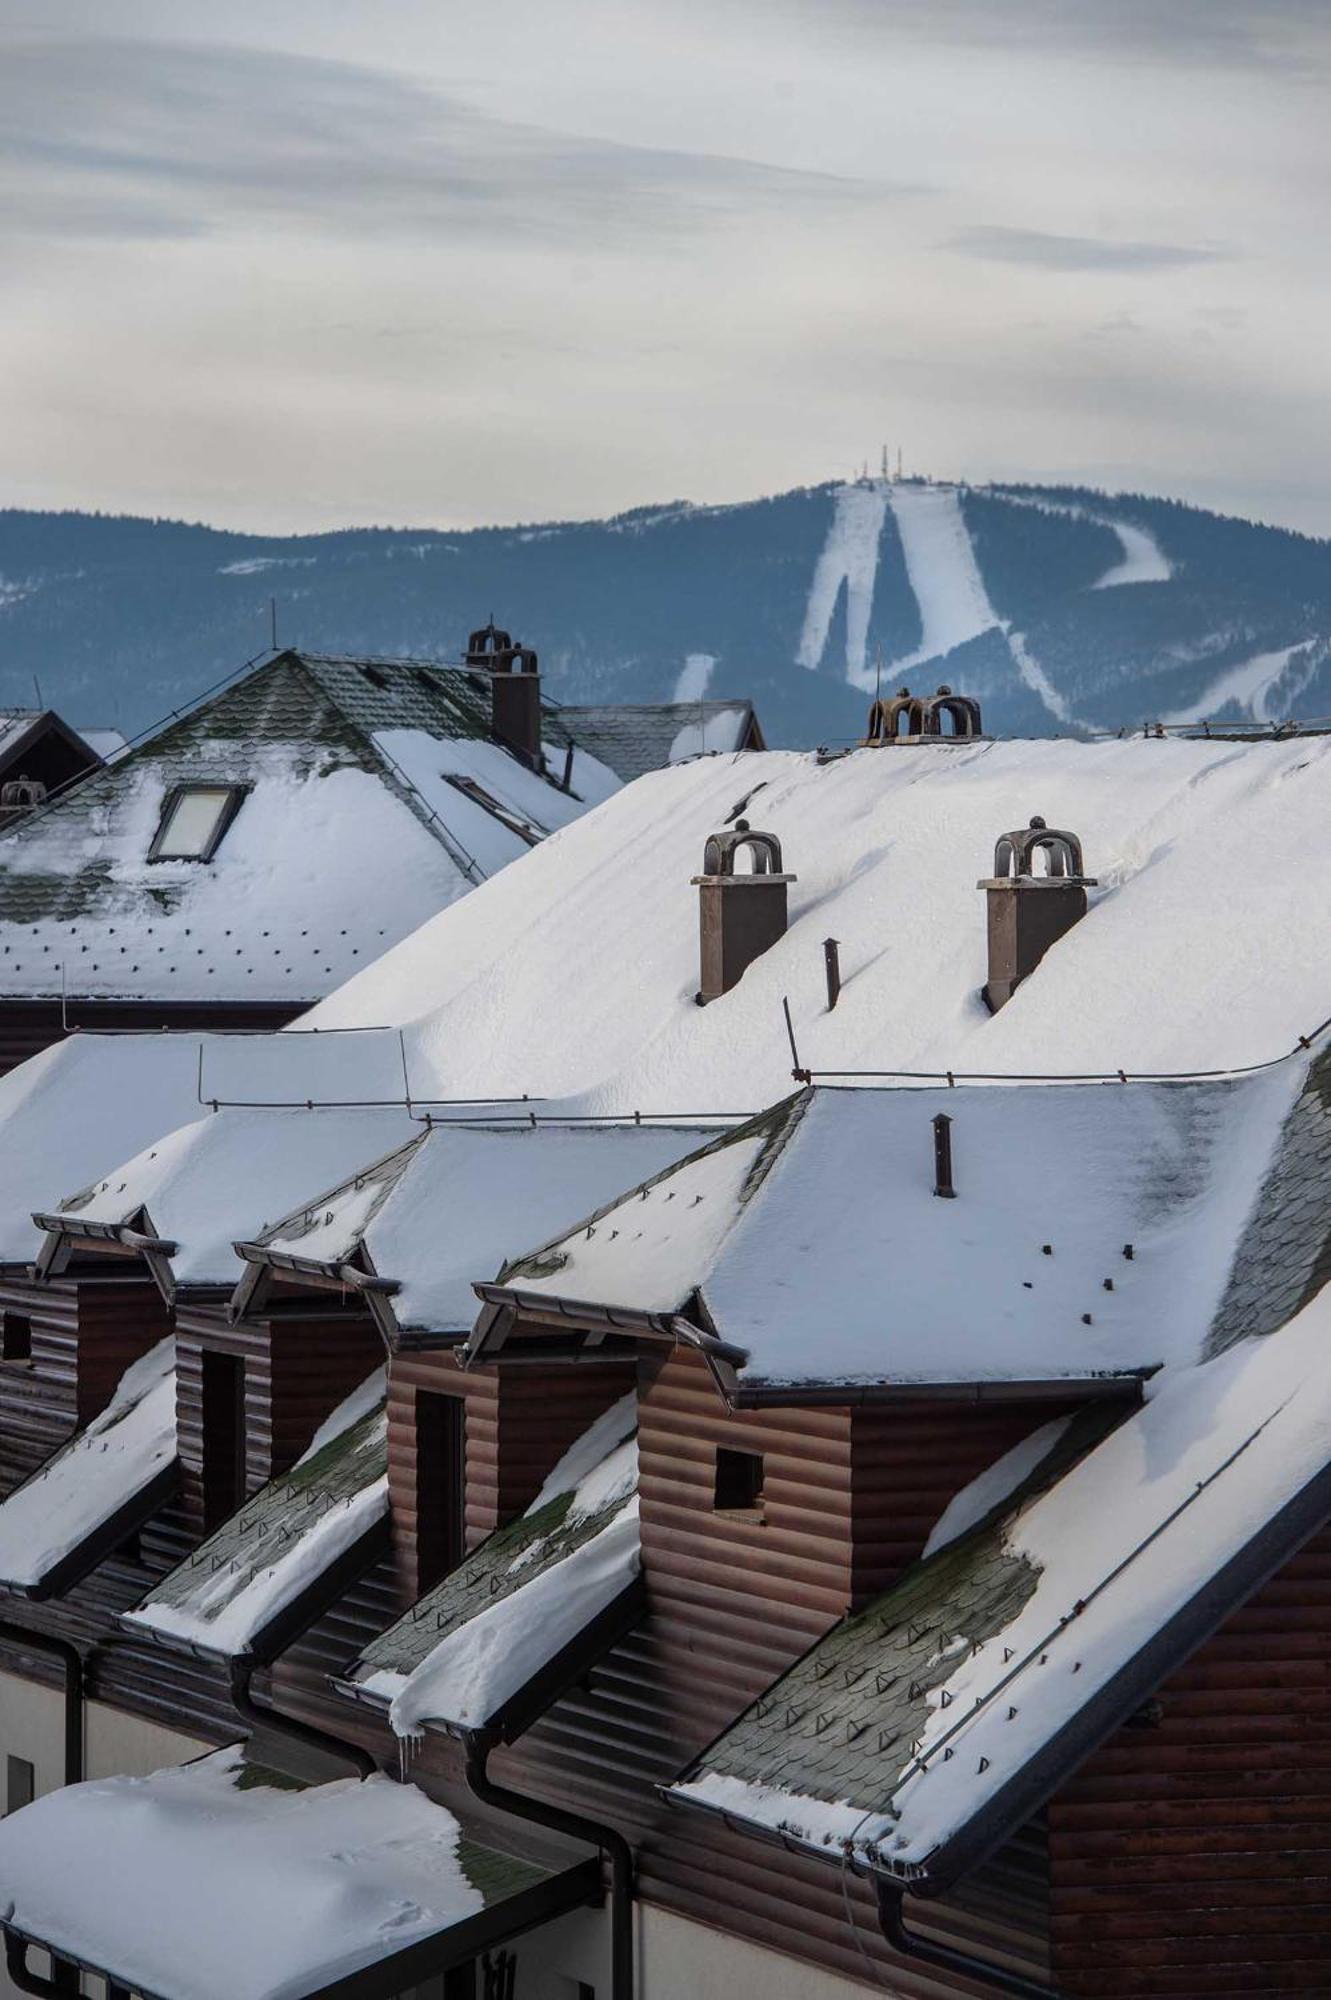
(732, 1601)
(85, 1334)
(28, 1026)
(1194, 1860)
(298, 1368)
(517, 1426)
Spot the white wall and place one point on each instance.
(32, 1726)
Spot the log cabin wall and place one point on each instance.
(83, 1333)
(293, 1370)
(733, 1597)
(516, 1426)
(1193, 1860)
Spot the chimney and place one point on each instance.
(19, 796)
(740, 916)
(515, 691)
(1027, 912)
(929, 718)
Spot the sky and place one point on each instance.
(314, 263)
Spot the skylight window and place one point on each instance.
(194, 819)
(504, 814)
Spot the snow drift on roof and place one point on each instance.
(229, 1174)
(69, 1113)
(122, 1453)
(205, 1883)
(574, 972)
(817, 1243)
(236, 1583)
(450, 1207)
(520, 1599)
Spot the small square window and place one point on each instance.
(20, 1784)
(15, 1337)
(739, 1481)
(194, 818)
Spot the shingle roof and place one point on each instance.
(470, 1650)
(634, 737)
(233, 1594)
(822, 1214)
(349, 834)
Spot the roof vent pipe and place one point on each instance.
(740, 915)
(1028, 912)
(515, 691)
(930, 718)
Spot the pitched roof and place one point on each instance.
(95, 1490)
(635, 737)
(69, 1113)
(1089, 1236)
(1199, 950)
(226, 1174)
(918, 1733)
(217, 1880)
(371, 796)
(534, 1593)
(455, 1201)
(242, 1589)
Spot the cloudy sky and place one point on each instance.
(302, 263)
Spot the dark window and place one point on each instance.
(739, 1480)
(15, 1337)
(194, 818)
(223, 1437)
(441, 1483)
(20, 1784)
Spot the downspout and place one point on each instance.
(911, 1945)
(262, 1715)
(611, 1843)
(72, 1661)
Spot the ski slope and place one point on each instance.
(1143, 559)
(943, 573)
(849, 556)
(1248, 684)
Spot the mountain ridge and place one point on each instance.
(1063, 608)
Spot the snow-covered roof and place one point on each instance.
(237, 1591)
(1090, 1233)
(1060, 1589)
(371, 795)
(575, 974)
(68, 1114)
(475, 1644)
(217, 1881)
(97, 1488)
(226, 1174)
(634, 737)
(455, 1202)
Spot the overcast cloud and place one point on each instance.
(298, 265)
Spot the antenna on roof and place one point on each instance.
(37, 684)
(272, 621)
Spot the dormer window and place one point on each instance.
(194, 819)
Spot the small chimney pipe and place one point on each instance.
(832, 965)
(943, 1157)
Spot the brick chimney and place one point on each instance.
(515, 691)
(740, 916)
(1027, 912)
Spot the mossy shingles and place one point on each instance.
(507, 1560)
(843, 1722)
